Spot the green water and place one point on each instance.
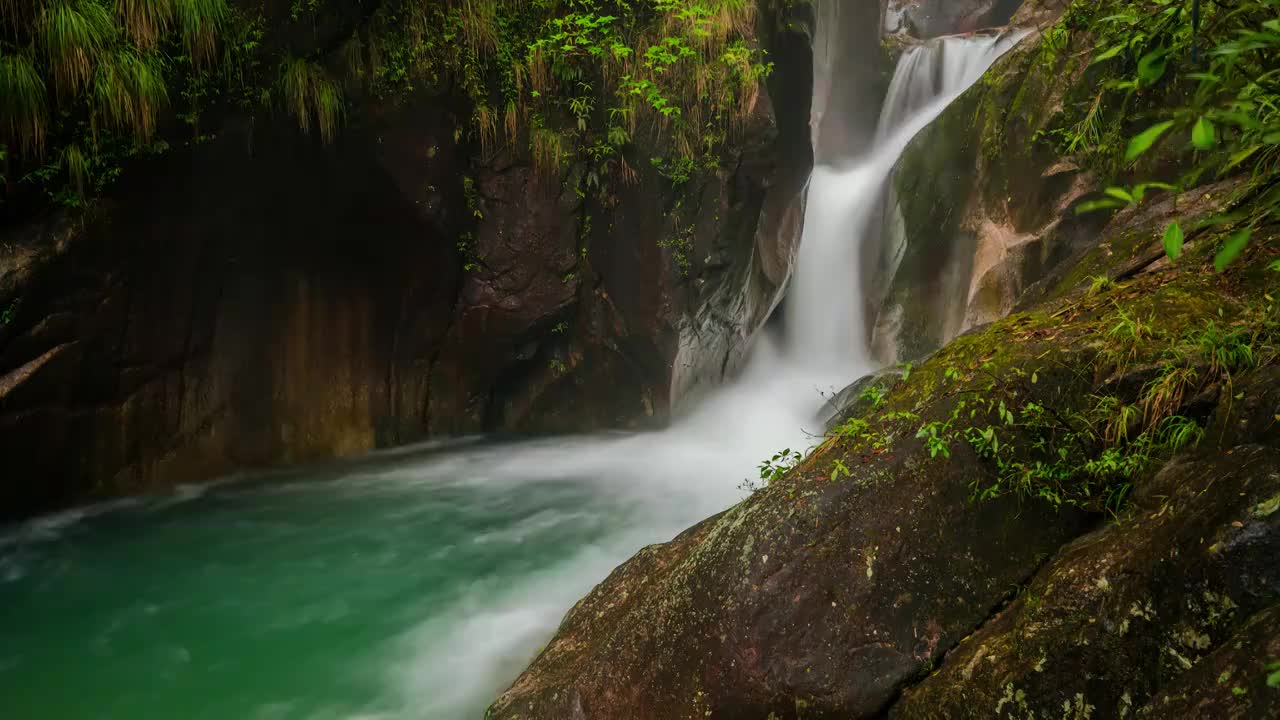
(411, 586)
(408, 585)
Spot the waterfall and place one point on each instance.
(943, 67)
(845, 259)
(418, 583)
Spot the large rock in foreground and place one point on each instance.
(835, 591)
(821, 598)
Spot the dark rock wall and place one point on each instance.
(225, 310)
(852, 73)
(260, 299)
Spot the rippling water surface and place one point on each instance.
(409, 585)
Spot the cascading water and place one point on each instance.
(415, 583)
(828, 326)
(928, 78)
(940, 69)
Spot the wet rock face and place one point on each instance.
(225, 310)
(931, 18)
(824, 605)
(985, 211)
(1136, 605)
(1232, 682)
(850, 80)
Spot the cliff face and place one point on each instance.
(258, 298)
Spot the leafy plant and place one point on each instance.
(1226, 104)
(776, 467)
(874, 395)
(9, 314)
(937, 438)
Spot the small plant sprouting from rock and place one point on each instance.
(937, 438)
(874, 396)
(776, 467)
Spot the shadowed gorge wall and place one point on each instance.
(259, 298)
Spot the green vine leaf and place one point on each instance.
(1203, 135)
(1143, 141)
(1151, 66)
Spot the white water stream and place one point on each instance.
(828, 334)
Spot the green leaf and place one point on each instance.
(1120, 194)
(1240, 157)
(1110, 53)
(1140, 190)
(1143, 142)
(1231, 249)
(1203, 135)
(1173, 241)
(1095, 205)
(1151, 66)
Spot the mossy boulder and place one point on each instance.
(1121, 614)
(1237, 681)
(815, 598)
(832, 591)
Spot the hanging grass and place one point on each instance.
(487, 125)
(351, 55)
(23, 103)
(511, 122)
(145, 21)
(479, 24)
(128, 92)
(547, 148)
(312, 97)
(73, 34)
(76, 164)
(201, 23)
